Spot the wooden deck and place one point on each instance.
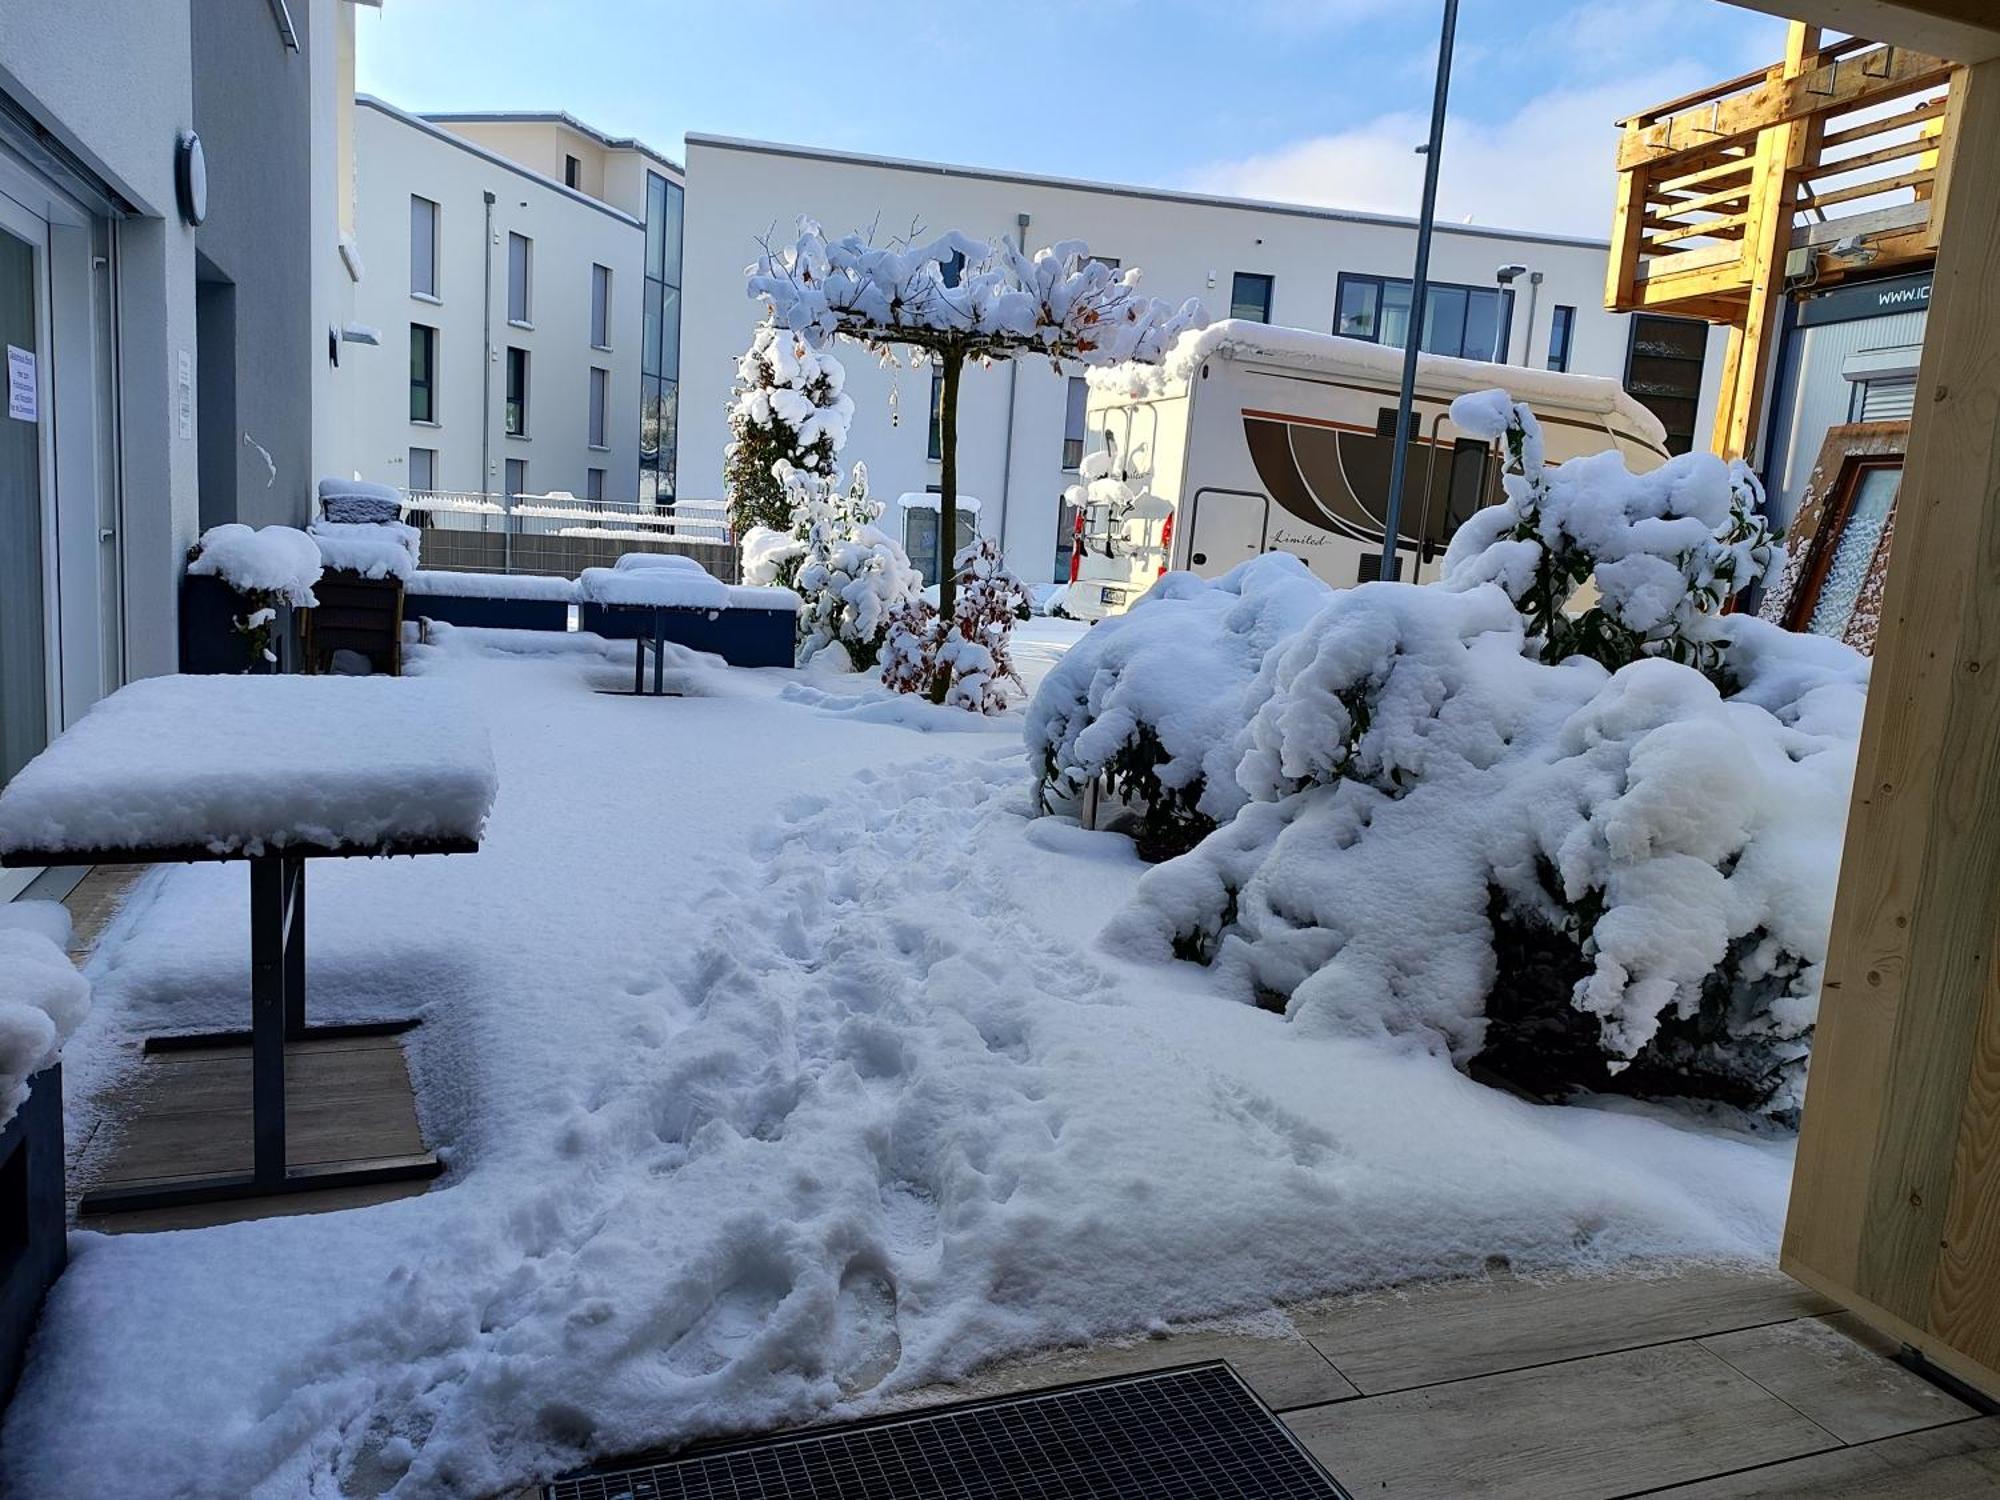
(1702, 1385)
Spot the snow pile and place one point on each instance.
(1591, 849)
(386, 549)
(853, 575)
(246, 764)
(968, 655)
(1665, 548)
(764, 596)
(359, 501)
(488, 585)
(1061, 302)
(42, 997)
(679, 561)
(660, 587)
(277, 561)
(1155, 698)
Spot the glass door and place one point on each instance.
(24, 599)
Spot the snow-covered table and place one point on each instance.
(275, 771)
(650, 586)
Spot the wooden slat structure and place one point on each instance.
(1798, 175)
(1896, 1193)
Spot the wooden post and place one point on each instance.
(1896, 1195)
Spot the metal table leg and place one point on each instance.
(659, 653)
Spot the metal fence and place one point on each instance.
(558, 534)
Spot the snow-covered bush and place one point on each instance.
(969, 654)
(1153, 700)
(1465, 828)
(267, 566)
(788, 406)
(771, 558)
(42, 996)
(852, 575)
(1665, 548)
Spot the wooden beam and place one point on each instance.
(1845, 84)
(1966, 31)
(1896, 1189)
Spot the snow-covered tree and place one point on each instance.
(954, 298)
(788, 406)
(968, 651)
(852, 575)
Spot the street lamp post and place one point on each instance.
(1433, 149)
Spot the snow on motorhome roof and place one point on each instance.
(1301, 349)
(1129, 190)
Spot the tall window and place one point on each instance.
(600, 307)
(1562, 329)
(600, 401)
(1076, 398)
(517, 478)
(517, 392)
(423, 471)
(1663, 370)
(593, 484)
(660, 349)
(423, 247)
(423, 373)
(1466, 322)
(520, 251)
(1250, 297)
(572, 172)
(936, 449)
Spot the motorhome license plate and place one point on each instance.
(1109, 596)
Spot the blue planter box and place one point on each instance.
(33, 1243)
(741, 637)
(489, 614)
(209, 642)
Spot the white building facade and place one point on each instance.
(513, 274)
(1020, 425)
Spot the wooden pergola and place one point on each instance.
(1895, 1205)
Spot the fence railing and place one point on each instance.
(557, 533)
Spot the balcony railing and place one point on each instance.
(483, 531)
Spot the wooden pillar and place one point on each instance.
(1896, 1197)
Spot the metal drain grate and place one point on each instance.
(1193, 1433)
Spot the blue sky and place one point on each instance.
(1314, 100)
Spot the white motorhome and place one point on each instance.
(1249, 438)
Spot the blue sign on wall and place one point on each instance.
(1866, 299)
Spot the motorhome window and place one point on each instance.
(1079, 394)
(1467, 322)
(1562, 329)
(1250, 297)
(1663, 366)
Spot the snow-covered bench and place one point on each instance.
(495, 601)
(663, 597)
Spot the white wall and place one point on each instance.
(397, 156)
(1187, 246)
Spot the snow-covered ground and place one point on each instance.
(779, 1069)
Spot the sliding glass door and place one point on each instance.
(25, 689)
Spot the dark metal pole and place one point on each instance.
(1419, 295)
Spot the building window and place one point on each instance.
(593, 484)
(1663, 371)
(1076, 398)
(1250, 297)
(1562, 329)
(422, 475)
(936, 449)
(1466, 322)
(600, 307)
(517, 392)
(423, 247)
(517, 478)
(572, 172)
(423, 373)
(520, 251)
(600, 402)
(660, 346)
(1109, 262)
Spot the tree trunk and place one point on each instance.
(954, 365)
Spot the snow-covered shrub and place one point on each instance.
(969, 654)
(771, 558)
(788, 406)
(1466, 828)
(42, 996)
(1666, 548)
(267, 566)
(1153, 700)
(852, 575)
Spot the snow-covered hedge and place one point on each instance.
(1154, 699)
(852, 574)
(42, 997)
(274, 564)
(1465, 830)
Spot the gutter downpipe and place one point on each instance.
(1528, 333)
(1013, 387)
(1399, 460)
(486, 399)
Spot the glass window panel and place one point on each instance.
(670, 415)
(422, 476)
(669, 360)
(656, 223)
(517, 392)
(675, 210)
(1250, 297)
(600, 306)
(1444, 322)
(1355, 318)
(593, 484)
(423, 246)
(1075, 402)
(1482, 326)
(517, 477)
(1854, 552)
(649, 346)
(1562, 328)
(423, 372)
(649, 424)
(517, 278)
(1395, 313)
(600, 399)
